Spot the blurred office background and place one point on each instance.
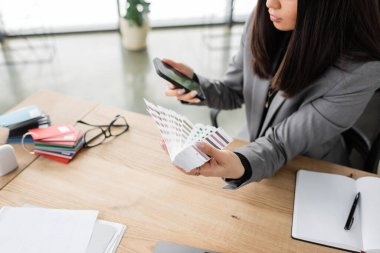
(74, 47)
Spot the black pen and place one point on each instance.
(350, 218)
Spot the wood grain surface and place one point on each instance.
(130, 180)
(61, 109)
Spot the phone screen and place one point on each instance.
(184, 81)
(176, 77)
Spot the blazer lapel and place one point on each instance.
(258, 94)
(276, 104)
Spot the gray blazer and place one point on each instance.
(309, 123)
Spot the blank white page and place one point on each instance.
(40, 230)
(321, 207)
(369, 188)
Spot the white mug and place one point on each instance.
(8, 160)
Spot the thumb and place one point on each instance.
(168, 61)
(207, 149)
(180, 67)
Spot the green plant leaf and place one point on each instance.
(137, 11)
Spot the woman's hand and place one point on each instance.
(173, 91)
(223, 163)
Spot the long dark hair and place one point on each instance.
(326, 30)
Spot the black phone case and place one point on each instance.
(157, 62)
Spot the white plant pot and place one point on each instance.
(133, 37)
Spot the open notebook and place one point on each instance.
(321, 207)
(180, 136)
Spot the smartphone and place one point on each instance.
(177, 78)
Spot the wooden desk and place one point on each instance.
(61, 109)
(130, 180)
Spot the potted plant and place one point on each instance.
(134, 25)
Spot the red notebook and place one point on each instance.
(56, 132)
(56, 158)
(64, 140)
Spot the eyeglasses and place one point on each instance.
(97, 135)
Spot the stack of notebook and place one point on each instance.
(60, 143)
(20, 121)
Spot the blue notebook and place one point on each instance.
(24, 114)
(18, 139)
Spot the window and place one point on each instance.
(36, 16)
(40, 16)
(176, 12)
(243, 8)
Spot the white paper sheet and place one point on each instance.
(41, 230)
(369, 187)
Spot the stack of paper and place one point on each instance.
(42, 230)
(60, 143)
(180, 136)
(105, 237)
(20, 121)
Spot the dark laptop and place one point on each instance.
(168, 247)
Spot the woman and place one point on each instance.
(305, 71)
